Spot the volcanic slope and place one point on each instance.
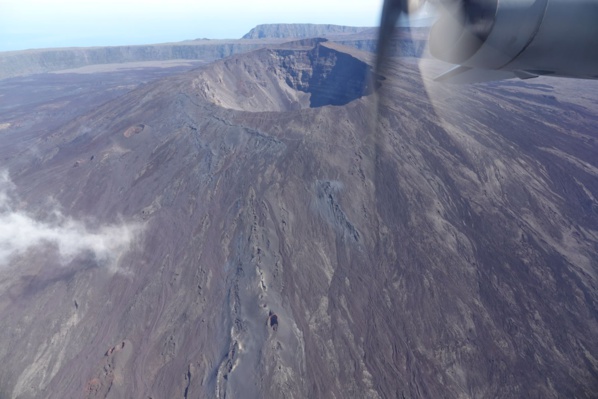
(380, 248)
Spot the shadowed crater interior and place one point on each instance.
(304, 74)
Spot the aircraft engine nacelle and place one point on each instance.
(527, 37)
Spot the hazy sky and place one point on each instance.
(59, 23)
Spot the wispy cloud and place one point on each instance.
(20, 231)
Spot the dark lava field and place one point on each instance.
(268, 225)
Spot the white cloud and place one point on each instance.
(20, 231)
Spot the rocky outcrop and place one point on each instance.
(408, 42)
(280, 31)
(300, 75)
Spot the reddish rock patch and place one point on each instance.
(136, 129)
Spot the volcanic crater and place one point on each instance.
(305, 74)
(389, 248)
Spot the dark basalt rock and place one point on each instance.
(331, 77)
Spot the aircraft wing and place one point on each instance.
(463, 74)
